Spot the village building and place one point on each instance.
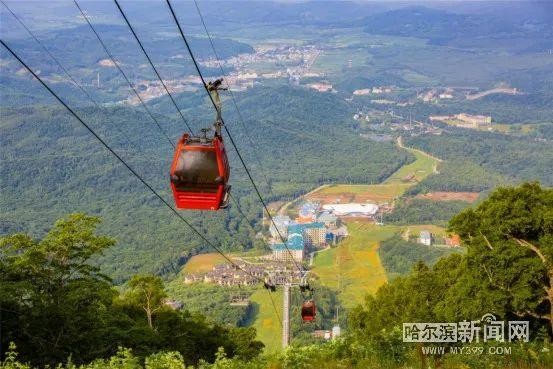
(475, 120)
(307, 213)
(336, 235)
(336, 331)
(230, 275)
(192, 278)
(329, 219)
(321, 87)
(173, 304)
(314, 234)
(352, 210)
(322, 334)
(464, 120)
(425, 238)
(363, 91)
(293, 250)
(453, 241)
(279, 226)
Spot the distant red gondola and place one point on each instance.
(200, 173)
(308, 311)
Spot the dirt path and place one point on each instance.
(399, 143)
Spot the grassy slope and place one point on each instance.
(375, 192)
(203, 263)
(265, 322)
(416, 228)
(421, 168)
(354, 268)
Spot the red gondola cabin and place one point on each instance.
(200, 173)
(308, 311)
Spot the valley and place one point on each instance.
(353, 267)
(380, 136)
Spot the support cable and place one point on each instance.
(152, 65)
(240, 117)
(300, 269)
(111, 57)
(75, 83)
(134, 173)
(120, 159)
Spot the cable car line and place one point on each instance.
(75, 83)
(141, 101)
(112, 58)
(275, 309)
(300, 269)
(152, 65)
(240, 117)
(106, 145)
(237, 204)
(135, 173)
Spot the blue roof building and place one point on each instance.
(294, 248)
(295, 229)
(295, 242)
(314, 233)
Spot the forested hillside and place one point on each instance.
(515, 158)
(46, 153)
(57, 306)
(430, 126)
(508, 243)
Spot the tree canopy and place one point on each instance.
(56, 304)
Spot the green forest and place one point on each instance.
(57, 306)
(93, 264)
(73, 173)
(422, 211)
(398, 256)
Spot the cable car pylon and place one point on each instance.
(308, 308)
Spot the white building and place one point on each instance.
(282, 222)
(425, 238)
(352, 209)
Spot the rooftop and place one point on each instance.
(298, 228)
(296, 246)
(425, 234)
(326, 216)
(352, 208)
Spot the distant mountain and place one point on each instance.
(442, 27)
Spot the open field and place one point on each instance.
(415, 229)
(422, 167)
(449, 196)
(393, 187)
(265, 320)
(378, 193)
(202, 263)
(354, 268)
